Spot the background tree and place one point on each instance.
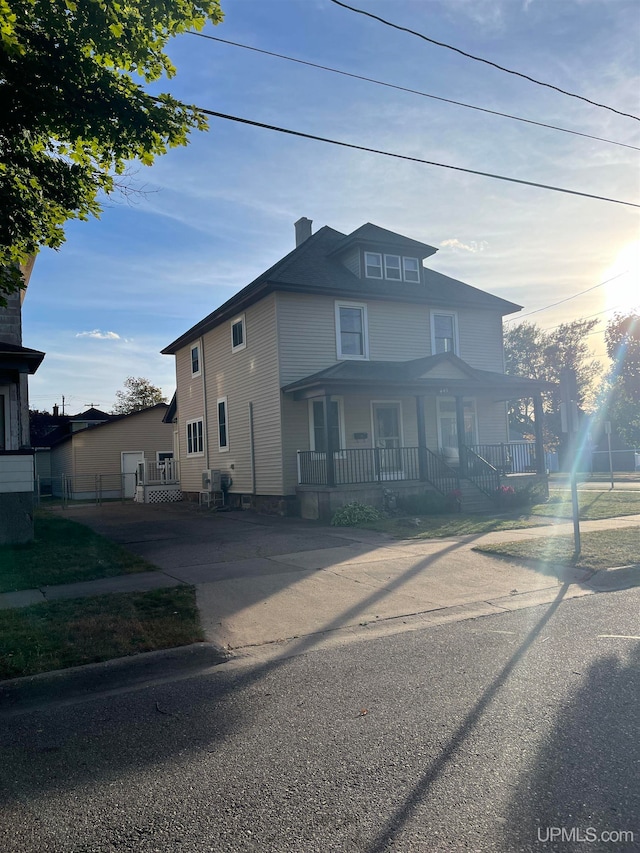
(536, 354)
(622, 397)
(139, 394)
(74, 114)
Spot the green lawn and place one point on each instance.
(602, 549)
(60, 634)
(593, 505)
(63, 551)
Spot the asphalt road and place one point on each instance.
(493, 734)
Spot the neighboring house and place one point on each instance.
(16, 457)
(346, 369)
(102, 460)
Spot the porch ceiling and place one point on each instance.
(410, 378)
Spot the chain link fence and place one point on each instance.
(87, 488)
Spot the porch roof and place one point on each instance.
(19, 359)
(416, 377)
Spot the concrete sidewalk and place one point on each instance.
(264, 582)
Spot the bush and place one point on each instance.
(353, 514)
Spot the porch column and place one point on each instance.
(330, 461)
(460, 431)
(422, 439)
(541, 465)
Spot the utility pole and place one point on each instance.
(569, 423)
(63, 404)
(607, 429)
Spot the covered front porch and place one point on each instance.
(396, 428)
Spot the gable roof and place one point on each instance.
(60, 439)
(312, 267)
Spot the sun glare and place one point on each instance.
(623, 293)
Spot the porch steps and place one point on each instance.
(474, 499)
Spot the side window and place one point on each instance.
(238, 334)
(223, 425)
(195, 442)
(351, 330)
(444, 333)
(195, 360)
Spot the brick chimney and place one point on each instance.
(303, 230)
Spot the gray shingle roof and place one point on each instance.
(313, 267)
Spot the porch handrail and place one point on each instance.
(513, 457)
(484, 475)
(441, 475)
(151, 473)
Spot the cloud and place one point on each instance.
(473, 246)
(102, 336)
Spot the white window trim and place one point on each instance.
(465, 401)
(241, 318)
(404, 270)
(456, 341)
(164, 453)
(223, 448)
(199, 370)
(186, 436)
(399, 267)
(5, 391)
(365, 332)
(341, 428)
(376, 277)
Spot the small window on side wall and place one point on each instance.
(238, 334)
(223, 425)
(443, 333)
(195, 440)
(195, 360)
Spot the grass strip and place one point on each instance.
(439, 526)
(60, 634)
(592, 504)
(600, 549)
(64, 551)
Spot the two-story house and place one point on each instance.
(346, 369)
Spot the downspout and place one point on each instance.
(205, 415)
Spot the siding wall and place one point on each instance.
(246, 376)
(397, 332)
(97, 450)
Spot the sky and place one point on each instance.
(210, 217)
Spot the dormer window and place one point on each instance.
(391, 267)
(372, 265)
(411, 269)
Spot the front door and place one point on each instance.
(387, 434)
(130, 459)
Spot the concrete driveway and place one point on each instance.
(263, 582)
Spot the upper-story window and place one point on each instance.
(238, 334)
(351, 330)
(195, 360)
(391, 267)
(372, 265)
(444, 333)
(411, 269)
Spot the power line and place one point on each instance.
(355, 147)
(568, 298)
(480, 59)
(411, 91)
(588, 317)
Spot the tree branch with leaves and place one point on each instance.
(75, 111)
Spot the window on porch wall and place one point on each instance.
(448, 426)
(318, 432)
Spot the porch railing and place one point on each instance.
(475, 468)
(377, 465)
(513, 457)
(152, 473)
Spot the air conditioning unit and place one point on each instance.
(211, 480)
